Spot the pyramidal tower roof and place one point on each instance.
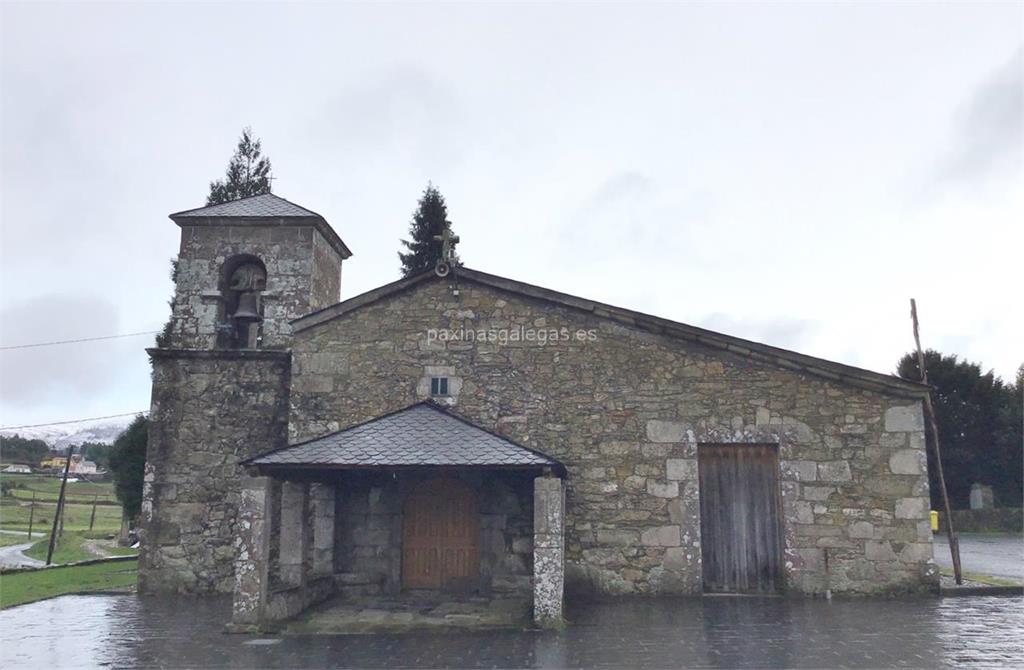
(255, 206)
(262, 209)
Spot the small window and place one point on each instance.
(439, 386)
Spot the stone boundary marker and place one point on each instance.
(91, 561)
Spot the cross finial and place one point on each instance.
(448, 242)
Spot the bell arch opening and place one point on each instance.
(243, 279)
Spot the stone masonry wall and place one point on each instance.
(209, 411)
(625, 410)
(303, 275)
(325, 289)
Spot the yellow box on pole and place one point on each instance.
(935, 521)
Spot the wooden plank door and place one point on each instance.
(441, 537)
(740, 518)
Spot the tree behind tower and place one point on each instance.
(428, 221)
(248, 173)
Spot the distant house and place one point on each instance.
(53, 462)
(18, 469)
(80, 466)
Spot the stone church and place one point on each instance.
(458, 432)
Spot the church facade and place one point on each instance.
(469, 433)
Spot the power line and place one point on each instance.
(62, 423)
(84, 339)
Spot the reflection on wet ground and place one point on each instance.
(90, 631)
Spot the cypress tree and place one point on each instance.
(248, 173)
(429, 219)
(127, 462)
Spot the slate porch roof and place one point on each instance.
(422, 435)
(262, 209)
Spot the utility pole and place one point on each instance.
(929, 410)
(31, 514)
(60, 508)
(92, 517)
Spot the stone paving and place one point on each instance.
(724, 632)
(409, 612)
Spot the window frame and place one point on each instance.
(439, 387)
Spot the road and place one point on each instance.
(996, 555)
(11, 556)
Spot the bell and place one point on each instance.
(248, 308)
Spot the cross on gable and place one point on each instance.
(448, 242)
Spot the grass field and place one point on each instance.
(25, 587)
(69, 549)
(47, 489)
(14, 515)
(15, 512)
(7, 540)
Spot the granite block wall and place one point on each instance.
(209, 411)
(625, 410)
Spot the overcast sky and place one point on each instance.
(791, 174)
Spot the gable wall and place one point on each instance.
(625, 411)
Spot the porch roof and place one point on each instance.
(422, 435)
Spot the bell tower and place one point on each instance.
(222, 379)
(248, 267)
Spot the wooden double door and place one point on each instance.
(441, 537)
(740, 518)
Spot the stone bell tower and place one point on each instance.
(221, 378)
(247, 267)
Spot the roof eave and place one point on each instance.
(269, 468)
(792, 360)
(317, 222)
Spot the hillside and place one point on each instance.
(61, 437)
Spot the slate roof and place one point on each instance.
(264, 209)
(423, 435)
(255, 206)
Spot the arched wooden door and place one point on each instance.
(441, 537)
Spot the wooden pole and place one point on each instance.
(60, 508)
(929, 410)
(122, 535)
(92, 517)
(31, 514)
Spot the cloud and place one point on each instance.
(401, 111)
(787, 333)
(628, 215)
(990, 126)
(71, 373)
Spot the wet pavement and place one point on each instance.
(996, 555)
(724, 632)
